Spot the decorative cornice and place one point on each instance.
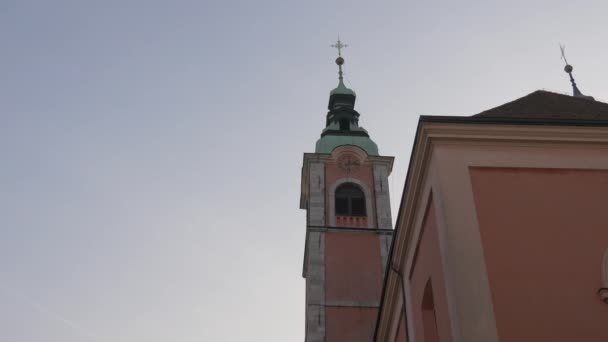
(349, 229)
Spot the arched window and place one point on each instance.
(429, 317)
(350, 200)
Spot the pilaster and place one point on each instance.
(316, 198)
(315, 292)
(383, 202)
(383, 208)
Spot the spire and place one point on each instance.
(568, 69)
(342, 120)
(339, 60)
(341, 88)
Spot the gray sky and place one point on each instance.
(151, 150)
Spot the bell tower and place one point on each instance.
(348, 224)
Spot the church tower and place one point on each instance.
(348, 224)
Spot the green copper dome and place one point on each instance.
(329, 142)
(342, 90)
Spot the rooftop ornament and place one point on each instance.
(341, 88)
(568, 69)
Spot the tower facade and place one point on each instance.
(345, 193)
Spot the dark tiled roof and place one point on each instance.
(547, 105)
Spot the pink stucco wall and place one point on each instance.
(544, 232)
(350, 324)
(353, 277)
(427, 265)
(353, 267)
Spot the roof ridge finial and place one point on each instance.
(568, 69)
(339, 60)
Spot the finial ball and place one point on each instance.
(339, 60)
(568, 68)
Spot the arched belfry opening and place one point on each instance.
(350, 200)
(344, 125)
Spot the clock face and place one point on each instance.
(350, 164)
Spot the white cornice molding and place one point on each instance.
(470, 133)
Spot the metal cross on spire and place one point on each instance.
(339, 46)
(563, 50)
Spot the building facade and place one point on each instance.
(502, 234)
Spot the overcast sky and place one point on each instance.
(151, 150)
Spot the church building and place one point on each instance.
(501, 234)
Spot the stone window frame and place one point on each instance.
(332, 200)
(350, 193)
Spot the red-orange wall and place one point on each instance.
(428, 265)
(353, 276)
(544, 232)
(353, 267)
(350, 324)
